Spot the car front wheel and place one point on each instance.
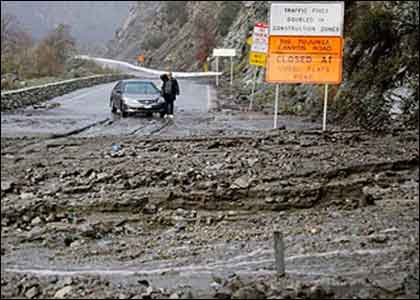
(124, 113)
(113, 108)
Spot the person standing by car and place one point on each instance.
(164, 78)
(170, 90)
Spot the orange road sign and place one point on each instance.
(305, 59)
(140, 58)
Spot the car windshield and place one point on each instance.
(144, 88)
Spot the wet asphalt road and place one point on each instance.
(87, 110)
(86, 113)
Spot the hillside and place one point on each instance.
(381, 60)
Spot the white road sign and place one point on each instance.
(224, 52)
(306, 18)
(260, 38)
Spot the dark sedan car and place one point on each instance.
(136, 95)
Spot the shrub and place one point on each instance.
(375, 25)
(153, 41)
(204, 24)
(228, 14)
(175, 11)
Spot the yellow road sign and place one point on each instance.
(257, 59)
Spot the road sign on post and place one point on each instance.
(140, 58)
(305, 59)
(259, 45)
(224, 53)
(306, 43)
(258, 54)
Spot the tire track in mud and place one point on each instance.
(79, 130)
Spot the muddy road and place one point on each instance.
(86, 113)
(187, 208)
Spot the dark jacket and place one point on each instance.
(171, 96)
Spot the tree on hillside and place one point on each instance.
(205, 27)
(53, 51)
(175, 11)
(62, 41)
(228, 14)
(15, 45)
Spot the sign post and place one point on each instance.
(324, 119)
(306, 44)
(224, 53)
(253, 87)
(258, 54)
(231, 71)
(217, 71)
(276, 107)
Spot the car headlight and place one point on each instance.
(161, 100)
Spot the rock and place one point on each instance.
(223, 293)
(66, 281)
(101, 177)
(129, 230)
(242, 182)
(217, 279)
(61, 293)
(367, 198)
(35, 234)
(252, 162)
(181, 212)
(179, 227)
(174, 296)
(235, 283)
(76, 244)
(87, 230)
(6, 186)
(32, 292)
(249, 292)
(317, 292)
(378, 238)
(148, 293)
(214, 145)
(188, 295)
(68, 240)
(36, 221)
(27, 196)
(150, 209)
(144, 282)
(216, 166)
(269, 200)
(77, 189)
(315, 230)
(215, 285)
